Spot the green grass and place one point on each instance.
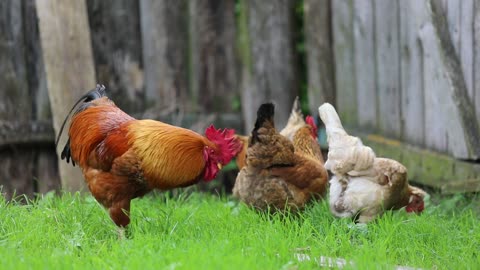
(202, 231)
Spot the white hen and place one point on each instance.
(363, 185)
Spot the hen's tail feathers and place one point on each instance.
(264, 114)
(96, 93)
(296, 109)
(330, 118)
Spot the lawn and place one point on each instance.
(203, 231)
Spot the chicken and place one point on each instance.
(123, 158)
(277, 175)
(295, 121)
(364, 186)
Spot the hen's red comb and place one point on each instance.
(311, 122)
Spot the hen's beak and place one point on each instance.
(220, 166)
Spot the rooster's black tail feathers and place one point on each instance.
(93, 94)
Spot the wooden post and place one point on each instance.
(69, 68)
(45, 171)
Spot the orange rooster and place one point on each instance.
(123, 158)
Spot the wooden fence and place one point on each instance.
(406, 69)
(174, 60)
(401, 69)
(409, 70)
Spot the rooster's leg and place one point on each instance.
(119, 212)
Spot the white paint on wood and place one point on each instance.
(412, 17)
(388, 67)
(342, 24)
(364, 53)
(67, 54)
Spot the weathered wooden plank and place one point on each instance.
(476, 62)
(117, 50)
(272, 76)
(319, 53)
(460, 25)
(453, 12)
(164, 29)
(45, 171)
(212, 53)
(388, 67)
(412, 16)
(69, 66)
(15, 179)
(15, 101)
(15, 105)
(364, 55)
(466, 43)
(450, 123)
(33, 132)
(342, 25)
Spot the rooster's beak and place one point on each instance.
(220, 166)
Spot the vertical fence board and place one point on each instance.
(412, 17)
(69, 67)
(466, 43)
(342, 25)
(388, 67)
(16, 163)
(164, 29)
(450, 124)
(321, 87)
(364, 54)
(117, 51)
(45, 171)
(476, 62)
(453, 9)
(213, 54)
(272, 76)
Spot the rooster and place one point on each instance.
(123, 158)
(363, 186)
(276, 174)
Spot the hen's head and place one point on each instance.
(311, 122)
(415, 202)
(226, 146)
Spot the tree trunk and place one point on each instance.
(70, 72)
